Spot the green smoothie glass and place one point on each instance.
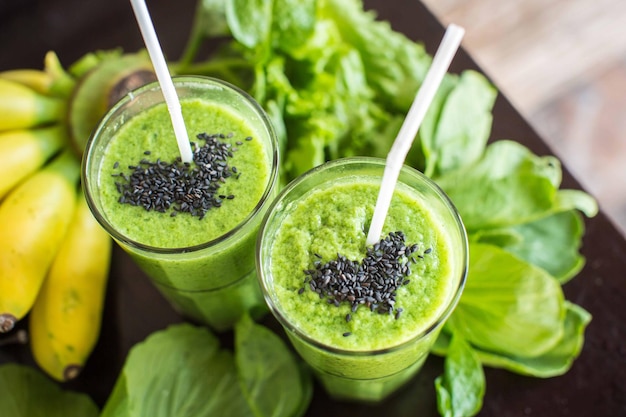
(198, 251)
(364, 319)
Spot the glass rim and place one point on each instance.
(181, 80)
(285, 322)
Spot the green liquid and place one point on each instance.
(212, 285)
(152, 131)
(334, 219)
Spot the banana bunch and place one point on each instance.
(54, 256)
(65, 320)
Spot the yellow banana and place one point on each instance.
(63, 83)
(34, 218)
(24, 151)
(40, 81)
(64, 322)
(22, 107)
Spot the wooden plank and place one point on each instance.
(537, 49)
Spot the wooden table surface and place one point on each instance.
(593, 387)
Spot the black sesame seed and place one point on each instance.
(372, 282)
(162, 186)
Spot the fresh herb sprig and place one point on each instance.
(337, 82)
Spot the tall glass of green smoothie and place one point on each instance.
(363, 318)
(191, 227)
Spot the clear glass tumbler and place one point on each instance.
(212, 281)
(357, 351)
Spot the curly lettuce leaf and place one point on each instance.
(338, 82)
(396, 65)
(26, 392)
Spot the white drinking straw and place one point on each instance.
(402, 144)
(163, 76)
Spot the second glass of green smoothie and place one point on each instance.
(364, 318)
(190, 227)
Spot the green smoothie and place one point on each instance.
(191, 228)
(358, 349)
(331, 221)
(151, 132)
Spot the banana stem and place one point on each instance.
(7, 322)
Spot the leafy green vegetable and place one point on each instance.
(270, 376)
(557, 360)
(513, 186)
(178, 371)
(554, 362)
(26, 392)
(508, 306)
(250, 22)
(552, 243)
(463, 126)
(395, 66)
(337, 82)
(182, 371)
(461, 388)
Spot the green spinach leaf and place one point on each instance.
(463, 125)
(513, 185)
(554, 362)
(552, 243)
(508, 306)
(26, 392)
(270, 376)
(293, 24)
(178, 371)
(250, 22)
(461, 388)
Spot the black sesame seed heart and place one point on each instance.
(161, 186)
(372, 282)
